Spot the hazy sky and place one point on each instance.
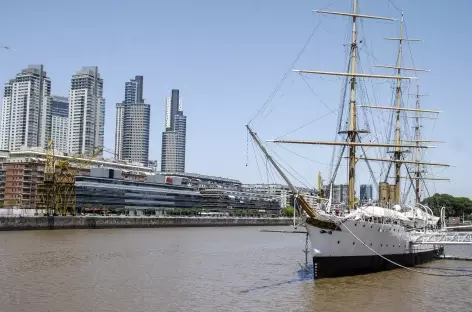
(226, 57)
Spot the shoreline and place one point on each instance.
(108, 222)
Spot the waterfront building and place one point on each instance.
(153, 164)
(281, 192)
(22, 171)
(174, 136)
(59, 122)
(132, 124)
(201, 181)
(232, 199)
(124, 186)
(134, 90)
(26, 110)
(366, 193)
(105, 189)
(340, 193)
(120, 112)
(86, 112)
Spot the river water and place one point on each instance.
(202, 269)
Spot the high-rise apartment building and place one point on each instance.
(59, 122)
(134, 90)
(132, 124)
(86, 112)
(174, 136)
(26, 110)
(339, 192)
(120, 112)
(366, 193)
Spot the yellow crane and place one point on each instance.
(56, 195)
(320, 185)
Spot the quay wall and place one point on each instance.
(100, 222)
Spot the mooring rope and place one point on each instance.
(402, 266)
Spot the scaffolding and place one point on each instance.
(56, 194)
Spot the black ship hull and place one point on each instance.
(326, 267)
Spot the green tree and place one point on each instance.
(455, 206)
(288, 211)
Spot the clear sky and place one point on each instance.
(226, 57)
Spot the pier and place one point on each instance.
(101, 222)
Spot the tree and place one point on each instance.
(455, 206)
(288, 211)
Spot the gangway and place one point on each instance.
(445, 238)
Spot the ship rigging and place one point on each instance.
(384, 232)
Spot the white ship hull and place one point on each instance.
(340, 253)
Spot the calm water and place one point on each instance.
(200, 269)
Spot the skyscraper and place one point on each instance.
(365, 193)
(174, 136)
(86, 112)
(132, 124)
(134, 90)
(26, 110)
(59, 122)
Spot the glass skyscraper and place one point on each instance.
(132, 124)
(59, 122)
(26, 110)
(86, 112)
(174, 136)
(366, 193)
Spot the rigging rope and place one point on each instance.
(393, 4)
(342, 105)
(284, 77)
(247, 148)
(371, 111)
(333, 177)
(305, 125)
(388, 172)
(368, 166)
(316, 94)
(257, 163)
(306, 158)
(305, 183)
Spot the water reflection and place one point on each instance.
(305, 273)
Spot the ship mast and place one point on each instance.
(417, 137)
(397, 154)
(398, 99)
(352, 133)
(352, 141)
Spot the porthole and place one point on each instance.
(353, 243)
(363, 225)
(371, 226)
(338, 242)
(381, 245)
(355, 224)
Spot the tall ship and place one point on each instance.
(374, 236)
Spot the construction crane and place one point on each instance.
(320, 185)
(110, 151)
(46, 190)
(56, 195)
